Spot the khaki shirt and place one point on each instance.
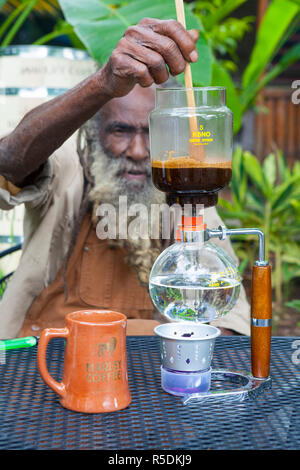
(51, 206)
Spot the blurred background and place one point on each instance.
(250, 46)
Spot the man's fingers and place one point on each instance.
(179, 34)
(175, 31)
(153, 60)
(140, 72)
(161, 44)
(194, 33)
(124, 66)
(145, 51)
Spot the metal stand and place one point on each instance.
(247, 387)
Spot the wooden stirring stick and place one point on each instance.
(195, 152)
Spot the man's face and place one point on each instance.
(124, 134)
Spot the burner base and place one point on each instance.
(185, 383)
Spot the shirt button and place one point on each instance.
(35, 327)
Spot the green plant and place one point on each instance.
(224, 33)
(2, 284)
(16, 19)
(16, 12)
(279, 23)
(43, 6)
(267, 196)
(294, 304)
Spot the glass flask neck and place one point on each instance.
(191, 230)
(177, 97)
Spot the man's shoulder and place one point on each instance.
(66, 154)
(65, 162)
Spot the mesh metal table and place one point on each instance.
(31, 416)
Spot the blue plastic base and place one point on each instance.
(183, 383)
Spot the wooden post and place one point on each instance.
(261, 317)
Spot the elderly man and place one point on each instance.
(64, 265)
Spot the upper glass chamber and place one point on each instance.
(191, 146)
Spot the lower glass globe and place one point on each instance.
(194, 282)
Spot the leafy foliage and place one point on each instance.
(43, 6)
(294, 304)
(224, 34)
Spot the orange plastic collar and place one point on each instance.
(190, 224)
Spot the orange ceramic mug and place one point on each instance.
(95, 365)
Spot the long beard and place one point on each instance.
(108, 186)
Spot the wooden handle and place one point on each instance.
(196, 152)
(261, 317)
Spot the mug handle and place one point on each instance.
(46, 336)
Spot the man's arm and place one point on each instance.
(46, 128)
(140, 57)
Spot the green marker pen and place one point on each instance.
(17, 343)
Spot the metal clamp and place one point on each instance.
(261, 322)
(222, 232)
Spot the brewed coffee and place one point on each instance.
(185, 176)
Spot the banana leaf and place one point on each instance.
(90, 10)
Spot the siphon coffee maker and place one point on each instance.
(194, 281)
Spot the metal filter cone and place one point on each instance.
(186, 348)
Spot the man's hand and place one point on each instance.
(143, 53)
